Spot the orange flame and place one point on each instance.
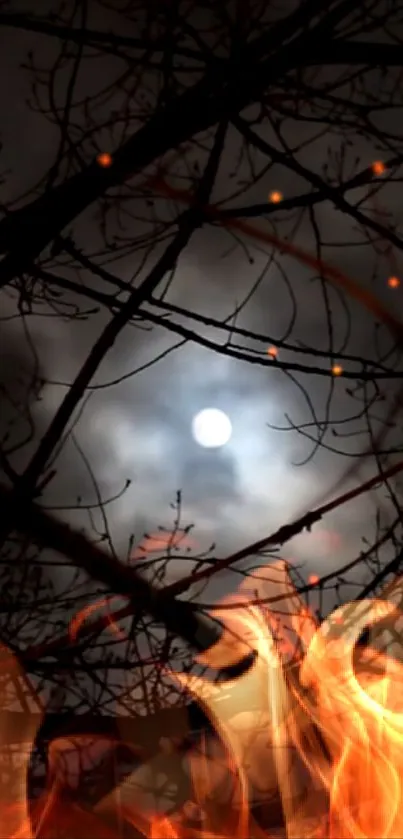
(81, 616)
(306, 728)
(15, 820)
(311, 728)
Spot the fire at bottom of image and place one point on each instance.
(306, 743)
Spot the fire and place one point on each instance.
(14, 815)
(312, 731)
(320, 739)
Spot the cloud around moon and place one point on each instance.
(211, 428)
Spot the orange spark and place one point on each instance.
(105, 160)
(313, 580)
(393, 282)
(275, 197)
(378, 167)
(337, 369)
(272, 352)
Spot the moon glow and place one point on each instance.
(211, 428)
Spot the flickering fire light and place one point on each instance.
(393, 282)
(316, 737)
(83, 614)
(337, 370)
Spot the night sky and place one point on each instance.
(139, 428)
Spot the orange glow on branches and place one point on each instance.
(104, 160)
(81, 616)
(337, 370)
(332, 274)
(338, 619)
(313, 580)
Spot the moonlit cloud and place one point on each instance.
(141, 428)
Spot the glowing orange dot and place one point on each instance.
(393, 282)
(313, 580)
(378, 167)
(275, 197)
(272, 352)
(104, 160)
(337, 369)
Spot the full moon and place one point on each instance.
(211, 428)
